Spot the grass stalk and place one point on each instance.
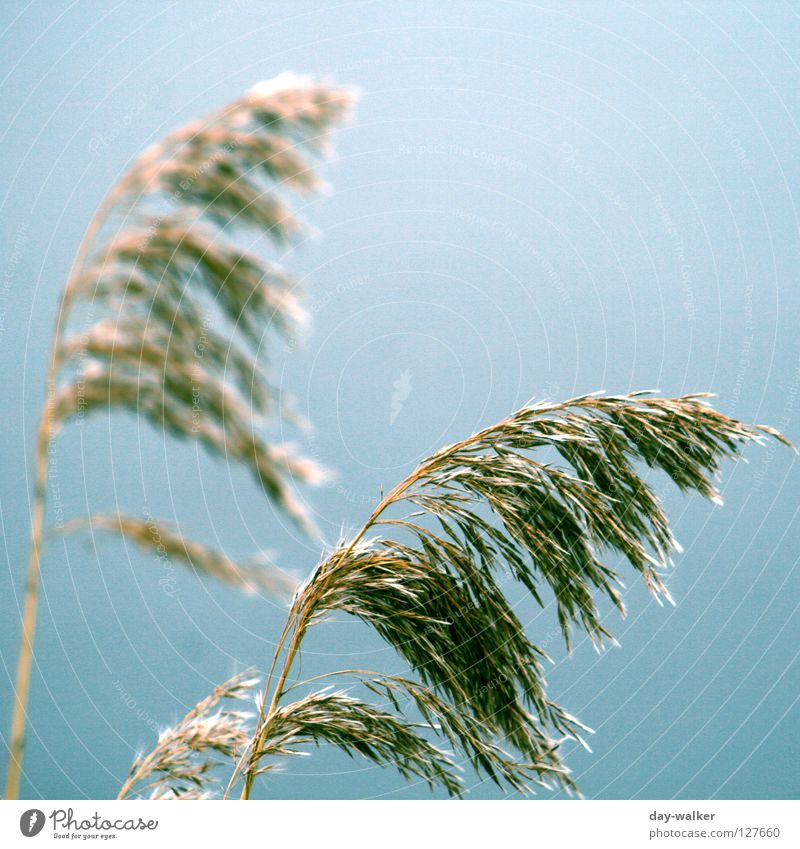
(45, 433)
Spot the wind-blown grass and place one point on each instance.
(165, 316)
(546, 496)
(182, 764)
(256, 574)
(428, 582)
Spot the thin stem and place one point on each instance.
(45, 434)
(135, 775)
(260, 733)
(25, 662)
(247, 754)
(363, 672)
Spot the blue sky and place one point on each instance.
(533, 200)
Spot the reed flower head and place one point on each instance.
(431, 582)
(183, 763)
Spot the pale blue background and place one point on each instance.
(535, 199)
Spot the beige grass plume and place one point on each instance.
(175, 317)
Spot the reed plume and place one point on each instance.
(182, 764)
(427, 568)
(255, 574)
(168, 318)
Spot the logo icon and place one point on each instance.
(31, 822)
(402, 390)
